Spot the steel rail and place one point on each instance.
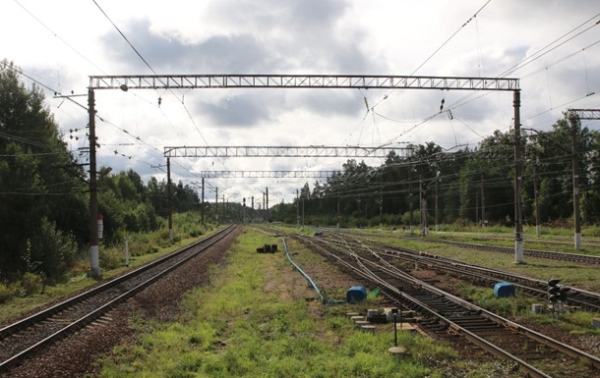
(577, 297)
(553, 255)
(473, 338)
(44, 314)
(99, 311)
(562, 348)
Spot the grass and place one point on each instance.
(17, 305)
(259, 319)
(570, 274)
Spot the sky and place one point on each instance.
(551, 46)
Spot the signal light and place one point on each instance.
(556, 292)
(562, 294)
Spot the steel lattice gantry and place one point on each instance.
(266, 174)
(125, 82)
(283, 151)
(588, 114)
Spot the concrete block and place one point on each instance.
(398, 352)
(537, 308)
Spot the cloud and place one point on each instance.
(267, 37)
(217, 54)
(237, 111)
(305, 37)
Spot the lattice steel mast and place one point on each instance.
(126, 82)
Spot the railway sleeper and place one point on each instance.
(482, 327)
(470, 320)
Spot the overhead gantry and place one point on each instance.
(130, 82)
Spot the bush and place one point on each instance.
(111, 258)
(195, 233)
(7, 292)
(30, 283)
(53, 252)
(416, 218)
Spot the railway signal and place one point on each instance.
(557, 296)
(553, 290)
(557, 292)
(562, 293)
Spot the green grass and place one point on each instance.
(18, 305)
(505, 307)
(248, 322)
(571, 274)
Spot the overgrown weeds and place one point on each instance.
(246, 324)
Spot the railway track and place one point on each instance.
(446, 315)
(589, 243)
(21, 339)
(580, 298)
(553, 255)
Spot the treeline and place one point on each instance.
(44, 201)
(128, 205)
(467, 186)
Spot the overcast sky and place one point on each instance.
(552, 46)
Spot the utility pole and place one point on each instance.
(267, 208)
(94, 249)
(169, 205)
(244, 211)
(224, 208)
(518, 168)
(482, 203)
(576, 216)
(252, 203)
(538, 230)
(421, 204)
(576, 115)
(303, 212)
(202, 203)
(337, 194)
(380, 202)
(410, 201)
(217, 206)
(437, 226)
(263, 209)
(476, 206)
(297, 210)
(424, 225)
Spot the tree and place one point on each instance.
(490, 167)
(41, 186)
